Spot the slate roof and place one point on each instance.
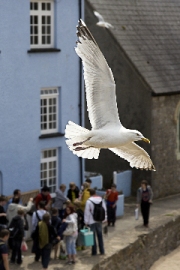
(149, 33)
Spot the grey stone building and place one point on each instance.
(143, 51)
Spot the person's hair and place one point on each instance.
(3, 198)
(113, 185)
(72, 184)
(41, 204)
(46, 218)
(71, 210)
(54, 211)
(16, 200)
(86, 185)
(45, 189)
(77, 203)
(62, 186)
(20, 212)
(88, 181)
(92, 191)
(144, 182)
(16, 192)
(4, 232)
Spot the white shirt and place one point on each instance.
(35, 219)
(89, 209)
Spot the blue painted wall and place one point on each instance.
(22, 75)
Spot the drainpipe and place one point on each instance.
(81, 91)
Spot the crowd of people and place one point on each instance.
(56, 224)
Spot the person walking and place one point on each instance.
(70, 238)
(47, 235)
(56, 223)
(89, 219)
(60, 199)
(144, 199)
(111, 201)
(4, 262)
(36, 217)
(17, 228)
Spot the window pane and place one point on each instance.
(35, 19)
(48, 40)
(43, 19)
(48, 29)
(43, 6)
(36, 40)
(48, 19)
(43, 29)
(43, 40)
(35, 30)
(31, 40)
(35, 6)
(48, 6)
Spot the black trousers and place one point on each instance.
(16, 251)
(145, 209)
(111, 213)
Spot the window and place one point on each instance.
(49, 161)
(49, 110)
(41, 24)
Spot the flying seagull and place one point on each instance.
(102, 22)
(107, 130)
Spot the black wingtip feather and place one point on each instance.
(83, 31)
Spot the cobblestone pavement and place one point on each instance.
(124, 233)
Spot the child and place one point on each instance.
(4, 263)
(56, 223)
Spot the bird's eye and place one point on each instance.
(137, 134)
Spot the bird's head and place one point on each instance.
(137, 136)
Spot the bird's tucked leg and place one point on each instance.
(79, 143)
(82, 148)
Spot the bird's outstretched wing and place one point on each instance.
(136, 156)
(99, 16)
(99, 81)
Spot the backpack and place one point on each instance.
(35, 233)
(99, 211)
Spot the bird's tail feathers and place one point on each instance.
(76, 134)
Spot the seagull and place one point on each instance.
(102, 22)
(107, 131)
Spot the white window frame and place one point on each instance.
(49, 94)
(48, 177)
(40, 13)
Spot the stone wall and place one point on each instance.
(149, 247)
(166, 179)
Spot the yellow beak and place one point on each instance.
(145, 140)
